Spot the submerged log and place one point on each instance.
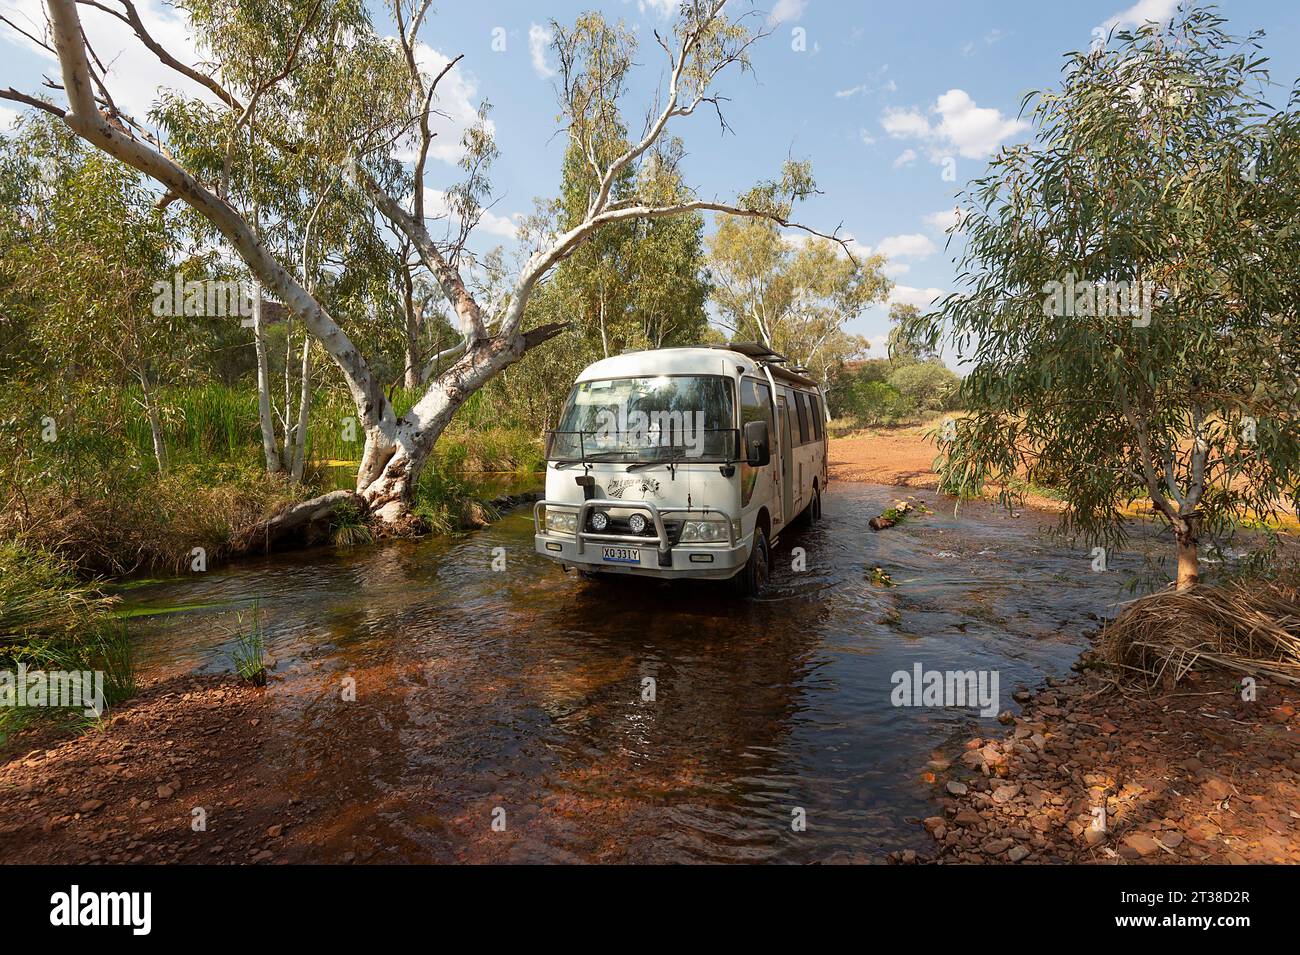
(307, 522)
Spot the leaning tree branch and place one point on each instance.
(448, 278)
(671, 107)
(132, 19)
(35, 101)
(565, 245)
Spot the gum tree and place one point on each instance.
(704, 42)
(1129, 293)
(793, 297)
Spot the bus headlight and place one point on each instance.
(637, 523)
(599, 521)
(561, 522)
(703, 532)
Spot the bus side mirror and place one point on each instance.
(758, 451)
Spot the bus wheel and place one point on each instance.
(815, 509)
(753, 576)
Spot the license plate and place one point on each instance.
(621, 555)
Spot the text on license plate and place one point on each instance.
(621, 555)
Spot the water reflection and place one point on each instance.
(523, 690)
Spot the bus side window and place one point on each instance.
(815, 407)
(755, 405)
(801, 406)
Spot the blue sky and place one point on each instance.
(883, 98)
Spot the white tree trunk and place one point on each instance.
(155, 427)
(304, 412)
(265, 421)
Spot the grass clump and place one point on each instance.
(349, 526)
(249, 653)
(446, 502)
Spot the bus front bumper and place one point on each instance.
(712, 562)
(651, 555)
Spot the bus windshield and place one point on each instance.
(650, 420)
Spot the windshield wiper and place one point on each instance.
(675, 454)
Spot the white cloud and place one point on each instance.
(866, 137)
(134, 75)
(456, 106)
(539, 40)
(905, 158)
(943, 220)
(1144, 10)
(437, 203)
(962, 127)
(663, 8)
(913, 245)
(894, 269)
(877, 82)
(920, 297)
(905, 124)
(787, 10)
(7, 118)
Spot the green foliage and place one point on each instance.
(890, 391)
(1155, 164)
(40, 596)
(447, 502)
(925, 388)
(794, 297)
(907, 343)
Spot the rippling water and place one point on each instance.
(523, 689)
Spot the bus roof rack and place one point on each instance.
(754, 350)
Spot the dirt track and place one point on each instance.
(899, 456)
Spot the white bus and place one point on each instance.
(683, 463)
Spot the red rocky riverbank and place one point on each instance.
(1197, 775)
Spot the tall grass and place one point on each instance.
(135, 520)
(41, 595)
(50, 620)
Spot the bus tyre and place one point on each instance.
(753, 576)
(815, 508)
